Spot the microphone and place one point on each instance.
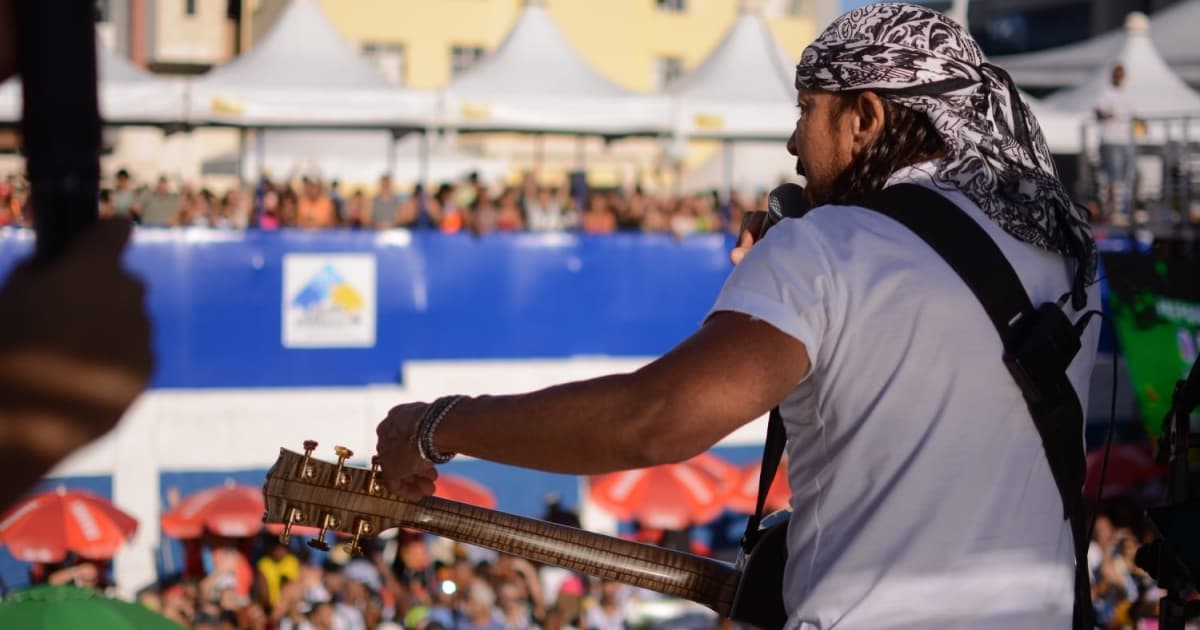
(785, 201)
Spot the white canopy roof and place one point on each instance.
(303, 74)
(535, 81)
(128, 94)
(744, 89)
(1153, 90)
(1173, 31)
(757, 166)
(353, 156)
(1062, 129)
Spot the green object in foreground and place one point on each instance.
(73, 608)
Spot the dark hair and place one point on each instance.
(908, 138)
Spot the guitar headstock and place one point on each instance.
(301, 490)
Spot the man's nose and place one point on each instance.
(791, 144)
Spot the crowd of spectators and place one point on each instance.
(470, 206)
(411, 580)
(422, 582)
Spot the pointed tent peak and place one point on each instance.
(535, 58)
(302, 48)
(1151, 86)
(747, 65)
(1137, 24)
(115, 67)
(749, 6)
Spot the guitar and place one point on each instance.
(302, 490)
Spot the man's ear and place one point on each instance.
(869, 116)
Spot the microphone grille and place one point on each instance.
(774, 207)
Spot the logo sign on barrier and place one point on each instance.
(329, 300)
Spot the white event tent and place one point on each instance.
(744, 168)
(1173, 31)
(128, 95)
(1061, 129)
(536, 82)
(303, 74)
(744, 90)
(356, 156)
(1153, 90)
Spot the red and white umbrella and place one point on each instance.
(230, 510)
(45, 527)
(464, 490)
(1129, 465)
(671, 496)
(728, 474)
(744, 497)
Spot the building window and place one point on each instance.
(677, 6)
(463, 58)
(189, 8)
(796, 7)
(388, 59)
(666, 71)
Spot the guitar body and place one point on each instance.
(758, 600)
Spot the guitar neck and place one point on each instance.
(703, 580)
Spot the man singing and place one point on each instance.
(922, 496)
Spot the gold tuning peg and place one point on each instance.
(343, 453)
(319, 542)
(293, 515)
(373, 483)
(361, 528)
(306, 470)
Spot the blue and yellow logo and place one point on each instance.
(328, 290)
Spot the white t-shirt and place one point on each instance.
(921, 494)
(1118, 129)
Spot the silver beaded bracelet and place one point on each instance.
(428, 424)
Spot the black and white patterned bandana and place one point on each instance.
(919, 58)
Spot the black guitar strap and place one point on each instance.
(1056, 411)
(772, 455)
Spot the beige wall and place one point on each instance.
(203, 38)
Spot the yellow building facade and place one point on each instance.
(627, 41)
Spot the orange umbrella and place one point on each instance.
(230, 510)
(745, 495)
(671, 496)
(45, 527)
(464, 490)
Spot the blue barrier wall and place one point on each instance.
(216, 300)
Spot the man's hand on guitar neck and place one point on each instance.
(405, 472)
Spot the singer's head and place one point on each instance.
(887, 86)
(847, 144)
